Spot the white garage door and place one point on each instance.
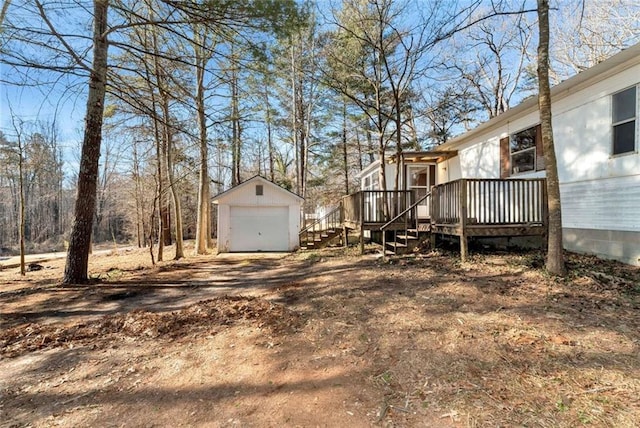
(259, 229)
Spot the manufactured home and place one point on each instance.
(490, 180)
(596, 133)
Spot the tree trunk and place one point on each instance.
(77, 265)
(359, 146)
(160, 191)
(370, 148)
(177, 208)
(398, 120)
(302, 142)
(345, 158)
(164, 233)
(21, 231)
(202, 222)
(294, 118)
(269, 131)
(3, 11)
(555, 259)
(235, 123)
(140, 226)
(168, 145)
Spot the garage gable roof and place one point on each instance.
(256, 179)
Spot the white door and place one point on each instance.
(420, 179)
(259, 229)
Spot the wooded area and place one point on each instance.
(185, 99)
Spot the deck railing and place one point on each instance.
(331, 221)
(409, 215)
(375, 206)
(464, 208)
(489, 202)
(489, 208)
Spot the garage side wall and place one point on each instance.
(294, 226)
(224, 228)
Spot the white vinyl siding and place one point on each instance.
(611, 204)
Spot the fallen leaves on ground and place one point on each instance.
(205, 315)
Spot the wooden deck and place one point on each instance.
(489, 208)
(464, 208)
(370, 209)
(484, 207)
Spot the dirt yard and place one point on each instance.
(323, 338)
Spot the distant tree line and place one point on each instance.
(47, 201)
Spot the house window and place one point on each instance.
(624, 121)
(259, 190)
(371, 182)
(522, 147)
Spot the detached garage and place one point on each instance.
(258, 215)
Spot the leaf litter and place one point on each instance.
(423, 340)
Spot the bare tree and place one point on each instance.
(18, 129)
(234, 118)
(355, 70)
(447, 110)
(587, 32)
(374, 59)
(492, 59)
(203, 51)
(401, 52)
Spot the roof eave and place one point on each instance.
(222, 195)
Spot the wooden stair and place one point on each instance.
(319, 240)
(410, 233)
(323, 231)
(405, 241)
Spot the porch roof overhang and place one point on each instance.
(428, 156)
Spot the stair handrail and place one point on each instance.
(415, 204)
(320, 220)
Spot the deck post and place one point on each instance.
(361, 223)
(384, 245)
(345, 232)
(432, 215)
(464, 250)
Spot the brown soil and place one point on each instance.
(322, 338)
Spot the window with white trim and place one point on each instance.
(371, 181)
(623, 121)
(522, 146)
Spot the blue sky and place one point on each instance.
(53, 102)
